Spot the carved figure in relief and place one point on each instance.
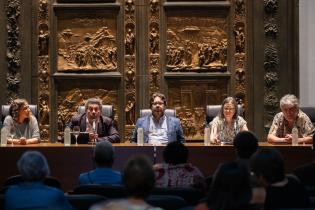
(154, 5)
(188, 56)
(154, 41)
(43, 42)
(239, 40)
(44, 113)
(129, 8)
(130, 42)
(130, 113)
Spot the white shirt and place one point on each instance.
(158, 131)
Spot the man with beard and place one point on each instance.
(159, 128)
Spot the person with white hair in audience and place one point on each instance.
(33, 193)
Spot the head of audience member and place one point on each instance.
(138, 177)
(19, 110)
(157, 105)
(93, 108)
(268, 165)
(228, 109)
(33, 166)
(289, 105)
(246, 144)
(103, 155)
(175, 153)
(230, 188)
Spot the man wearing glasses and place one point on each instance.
(98, 127)
(159, 128)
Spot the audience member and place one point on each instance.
(103, 158)
(227, 124)
(290, 116)
(99, 127)
(282, 191)
(159, 128)
(33, 194)
(138, 178)
(175, 171)
(306, 173)
(230, 189)
(21, 124)
(245, 144)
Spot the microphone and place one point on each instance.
(94, 126)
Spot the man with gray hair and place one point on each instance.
(99, 127)
(289, 117)
(103, 157)
(33, 194)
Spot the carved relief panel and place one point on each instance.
(196, 44)
(190, 97)
(87, 43)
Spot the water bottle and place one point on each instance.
(4, 136)
(140, 140)
(67, 137)
(206, 137)
(295, 136)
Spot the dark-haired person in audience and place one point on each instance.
(99, 127)
(159, 128)
(306, 173)
(246, 144)
(290, 116)
(103, 157)
(175, 171)
(21, 124)
(139, 180)
(282, 191)
(230, 189)
(33, 194)
(227, 124)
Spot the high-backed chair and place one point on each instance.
(213, 110)
(5, 110)
(49, 181)
(107, 110)
(310, 112)
(192, 196)
(109, 191)
(168, 112)
(166, 202)
(84, 201)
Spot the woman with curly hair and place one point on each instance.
(21, 124)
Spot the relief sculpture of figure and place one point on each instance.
(130, 112)
(154, 41)
(44, 114)
(43, 43)
(130, 42)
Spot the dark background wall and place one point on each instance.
(257, 76)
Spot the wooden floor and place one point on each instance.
(66, 163)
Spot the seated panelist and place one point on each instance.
(290, 116)
(228, 123)
(96, 126)
(21, 124)
(159, 128)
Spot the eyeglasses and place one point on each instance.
(91, 109)
(228, 109)
(157, 103)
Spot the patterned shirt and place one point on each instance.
(180, 175)
(226, 133)
(280, 126)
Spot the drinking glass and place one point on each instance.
(12, 134)
(76, 132)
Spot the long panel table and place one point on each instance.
(66, 163)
